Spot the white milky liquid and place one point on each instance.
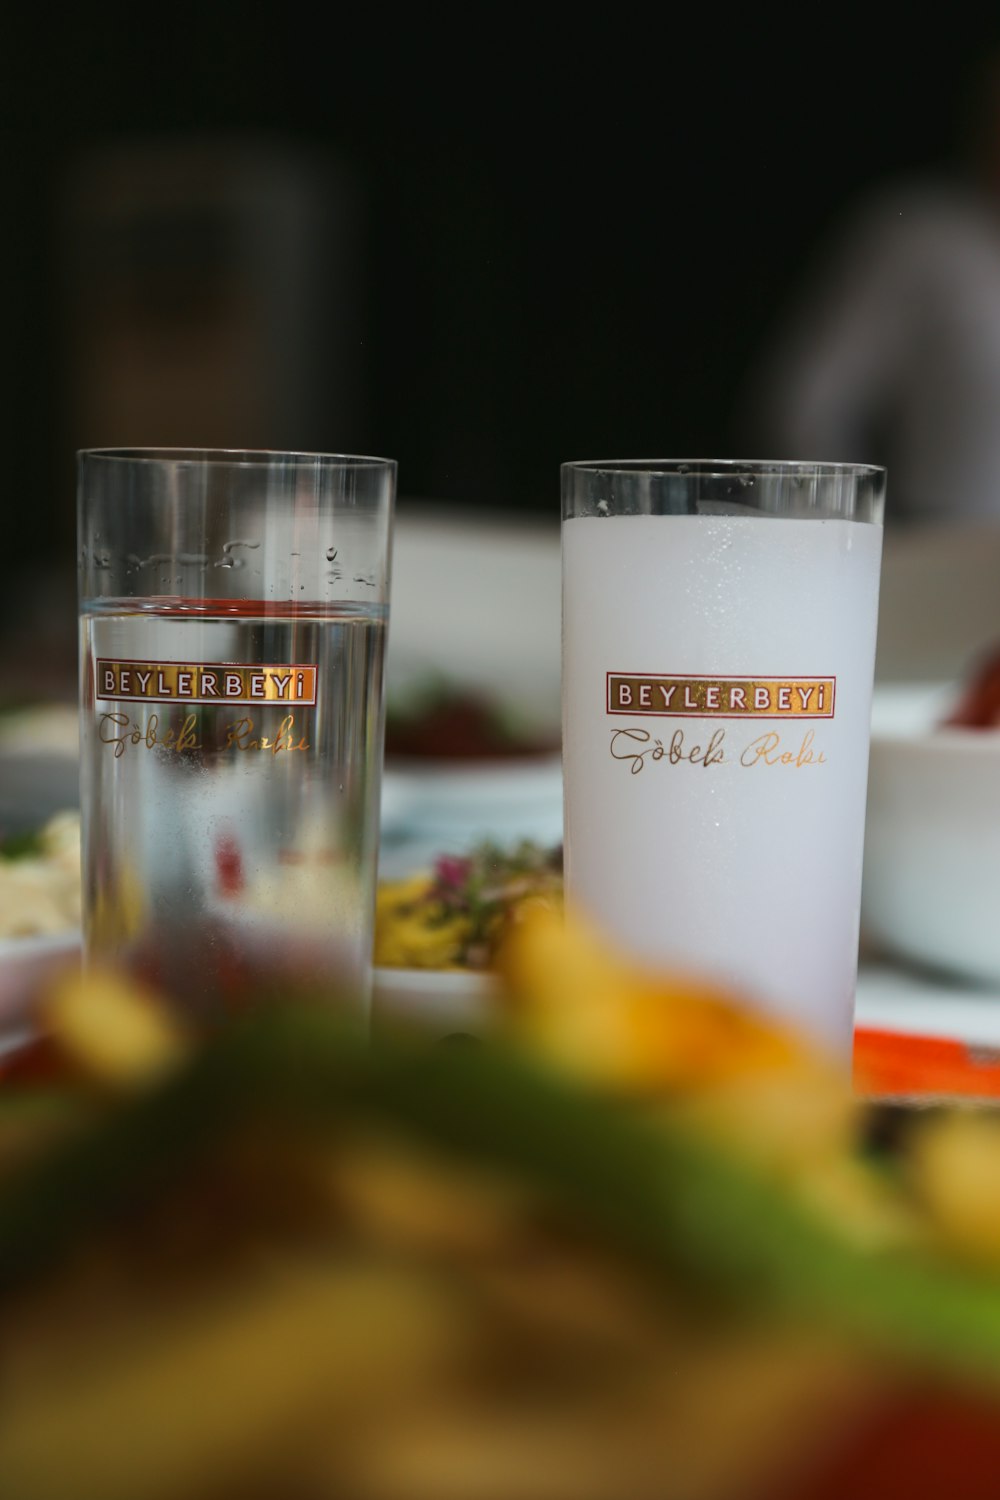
(240, 856)
(746, 870)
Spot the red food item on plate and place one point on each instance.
(979, 705)
(462, 726)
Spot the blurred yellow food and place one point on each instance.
(955, 1165)
(737, 1078)
(204, 1396)
(583, 1005)
(112, 1028)
(408, 935)
(333, 1306)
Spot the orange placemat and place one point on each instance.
(892, 1064)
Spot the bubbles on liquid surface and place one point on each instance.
(602, 508)
(228, 560)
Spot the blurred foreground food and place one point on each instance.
(639, 1245)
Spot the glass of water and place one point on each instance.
(718, 652)
(233, 616)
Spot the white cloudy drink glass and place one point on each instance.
(233, 612)
(719, 622)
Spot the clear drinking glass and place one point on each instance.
(718, 651)
(233, 616)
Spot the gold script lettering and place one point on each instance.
(712, 754)
(767, 750)
(635, 746)
(118, 729)
(240, 736)
(625, 741)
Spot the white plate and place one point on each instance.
(448, 810)
(931, 889)
(447, 1001)
(910, 709)
(918, 1003)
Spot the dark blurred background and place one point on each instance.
(461, 248)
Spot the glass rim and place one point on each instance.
(722, 468)
(235, 458)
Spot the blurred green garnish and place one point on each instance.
(25, 845)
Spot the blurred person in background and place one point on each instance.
(892, 355)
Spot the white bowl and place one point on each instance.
(931, 888)
(25, 966)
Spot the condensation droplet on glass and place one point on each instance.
(331, 553)
(228, 547)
